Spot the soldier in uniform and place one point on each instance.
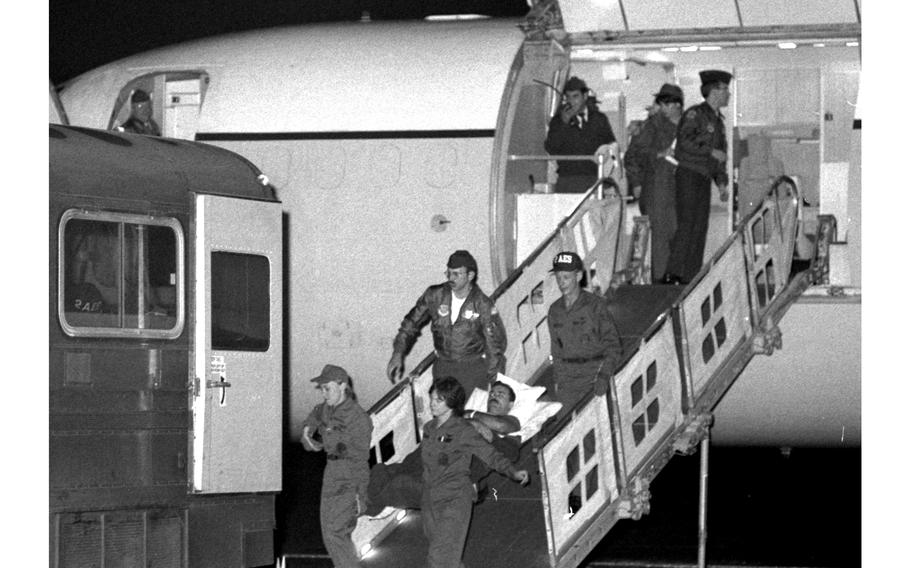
(652, 176)
(449, 442)
(584, 341)
(701, 153)
(468, 334)
(579, 128)
(140, 120)
(343, 429)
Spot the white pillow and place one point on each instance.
(523, 407)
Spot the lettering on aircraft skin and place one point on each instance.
(86, 306)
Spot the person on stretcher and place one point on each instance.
(399, 484)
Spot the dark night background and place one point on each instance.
(85, 34)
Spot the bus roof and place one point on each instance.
(85, 161)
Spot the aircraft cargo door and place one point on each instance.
(237, 346)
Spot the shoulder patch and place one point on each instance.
(494, 311)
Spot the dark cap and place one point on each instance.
(463, 258)
(567, 261)
(575, 84)
(712, 76)
(139, 96)
(669, 92)
(332, 373)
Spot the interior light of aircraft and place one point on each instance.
(670, 49)
(852, 44)
(709, 48)
(456, 17)
(787, 45)
(818, 45)
(689, 48)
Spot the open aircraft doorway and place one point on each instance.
(176, 101)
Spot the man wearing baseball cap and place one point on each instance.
(701, 151)
(652, 176)
(584, 341)
(341, 428)
(468, 334)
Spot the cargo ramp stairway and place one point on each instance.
(683, 348)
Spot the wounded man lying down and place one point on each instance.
(399, 484)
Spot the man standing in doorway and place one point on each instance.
(584, 341)
(468, 334)
(579, 128)
(140, 120)
(701, 150)
(652, 176)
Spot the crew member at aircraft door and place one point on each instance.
(468, 334)
(140, 120)
(579, 128)
(701, 153)
(343, 429)
(652, 176)
(584, 341)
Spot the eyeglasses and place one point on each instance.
(456, 273)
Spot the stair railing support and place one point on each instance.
(703, 502)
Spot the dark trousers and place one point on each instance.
(471, 373)
(693, 207)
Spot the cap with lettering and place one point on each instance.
(567, 261)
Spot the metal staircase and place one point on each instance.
(683, 348)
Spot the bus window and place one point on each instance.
(120, 275)
(240, 302)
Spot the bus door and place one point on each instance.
(237, 346)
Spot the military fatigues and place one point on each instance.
(700, 131)
(656, 176)
(346, 430)
(585, 346)
(472, 350)
(447, 497)
(570, 140)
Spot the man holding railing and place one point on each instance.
(468, 333)
(584, 341)
(579, 128)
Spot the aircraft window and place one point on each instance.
(120, 275)
(240, 302)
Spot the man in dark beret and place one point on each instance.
(579, 128)
(468, 333)
(140, 120)
(701, 153)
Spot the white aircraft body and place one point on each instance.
(393, 144)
